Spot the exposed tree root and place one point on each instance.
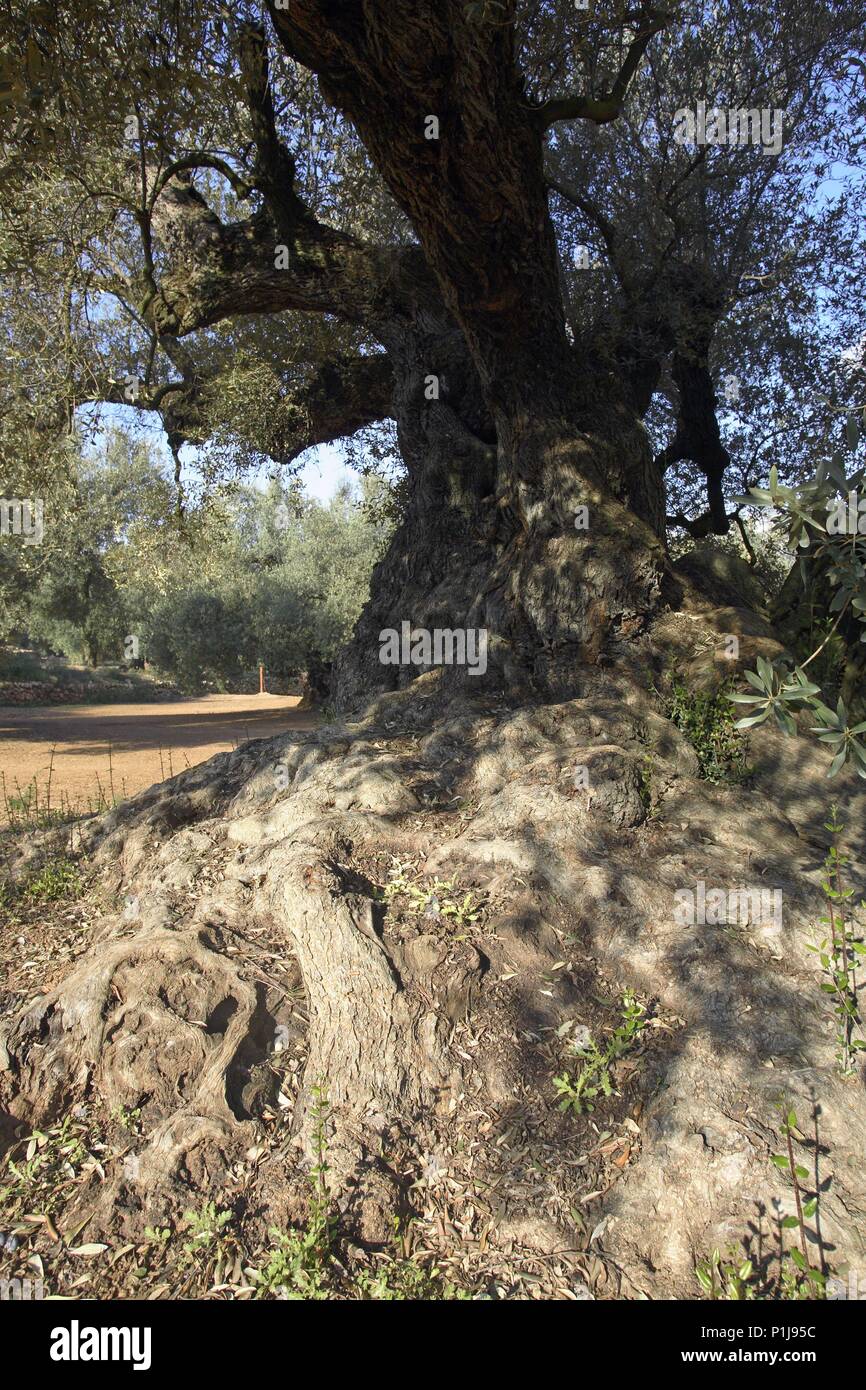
(439, 1028)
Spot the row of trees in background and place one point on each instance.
(254, 575)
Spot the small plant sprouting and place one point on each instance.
(726, 1280)
(404, 1279)
(581, 1091)
(211, 1250)
(157, 1235)
(320, 1111)
(736, 1278)
(128, 1117)
(58, 879)
(43, 1163)
(301, 1264)
(299, 1261)
(434, 897)
(206, 1232)
(839, 952)
(801, 1281)
(647, 779)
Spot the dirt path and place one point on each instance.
(147, 742)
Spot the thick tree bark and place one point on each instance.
(551, 539)
(491, 536)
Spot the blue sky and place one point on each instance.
(323, 473)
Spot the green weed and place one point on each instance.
(729, 1281)
(840, 952)
(581, 1092)
(707, 720)
(436, 897)
(58, 879)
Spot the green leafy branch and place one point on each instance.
(803, 1281)
(839, 952)
(781, 688)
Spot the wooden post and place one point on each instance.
(261, 679)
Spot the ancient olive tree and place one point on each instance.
(397, 192)
(535, 238)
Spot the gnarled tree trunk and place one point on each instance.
(545, 529)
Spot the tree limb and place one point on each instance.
(604, 109)
(200, 160)
(342, 396)
(218, 269)
(339, 397)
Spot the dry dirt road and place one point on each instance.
(147, 742)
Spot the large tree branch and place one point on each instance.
(337, 398)
(604, 109)
(281, 257)
(697, 527)
(593, 212)
(275, 171)
(216, 270)
(201, 160)
(342, 396)
(438, 102)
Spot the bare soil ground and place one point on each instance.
(129, 747)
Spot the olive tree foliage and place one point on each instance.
(68, 591)
(822, 520)
(108, 120)
(283, 583)
(236, 220)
